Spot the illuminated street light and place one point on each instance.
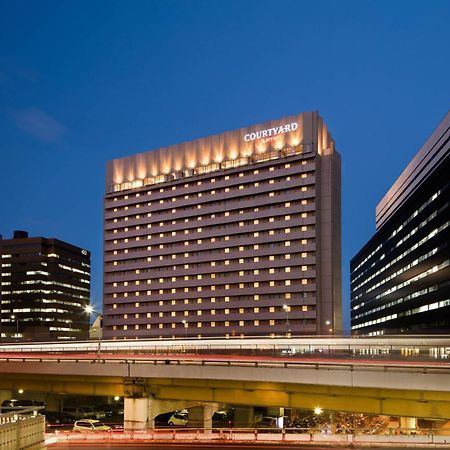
(318, 410)
(287, 308)
(13, 317)
(186, 325)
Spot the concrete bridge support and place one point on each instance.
(408, 424)
(135, 413)
(140, 412)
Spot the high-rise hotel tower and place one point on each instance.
(235, 234)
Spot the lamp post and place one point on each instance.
(185, 324)
(17, 326)
(90, 310)
(287, 308)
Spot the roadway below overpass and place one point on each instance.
(373, 386)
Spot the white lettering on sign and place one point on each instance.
(270, 132)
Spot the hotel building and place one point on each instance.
(400, 280)
(45, 287)
(235, 234)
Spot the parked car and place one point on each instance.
(80, 412)
(57, 420)
(172, 419)
(90, 425)
(266, 422)
(223, 418)
(113, 409)
(98, 411)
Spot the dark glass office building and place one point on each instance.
(400, 280)
(45, 288)
(235, 234)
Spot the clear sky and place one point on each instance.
(82, 82)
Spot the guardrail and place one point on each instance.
(23, 428)
(420, 367)
(403, 437)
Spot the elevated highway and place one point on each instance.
(401, 378)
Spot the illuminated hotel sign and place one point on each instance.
(270, 132)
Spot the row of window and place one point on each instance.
(268, 247)
(308, 177)
(209, 287)
(219, 275)
(224, 311)
(205, 265)
(410, 249)
(232, 226)
(240, 323)
(400, 300)
(387, 243)
(265, 212)
(409, 312)
(280, 233)
(241, 299)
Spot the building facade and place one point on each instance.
(400, 280)
(235, 234)
(45, 288)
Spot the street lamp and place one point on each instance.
(90, 310)
(185, 324)
(17, 326)
(287, 309)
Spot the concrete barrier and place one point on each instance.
(23, 433)
(274, 436)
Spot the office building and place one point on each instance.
(235, 234)
(400, 280)
(45, 288)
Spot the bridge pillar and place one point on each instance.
(208, 411)
(408, 424)
(135, 413)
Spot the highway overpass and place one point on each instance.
(404, 378)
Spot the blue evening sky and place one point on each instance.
(82, 82)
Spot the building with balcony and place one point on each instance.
(235, 234)
(400, 280)
(45, 288)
